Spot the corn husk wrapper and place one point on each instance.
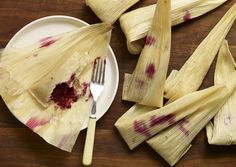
(136, 128)
(222, 130)
(136, 24)
(61, 126)
(180, 135)
(16, 62)
(146, 84)
(74, 64)
(190, 76)
(109, 11)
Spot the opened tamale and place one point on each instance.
(57, 101)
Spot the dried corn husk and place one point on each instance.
(75, 64)
(61, 126)
(136, 128)
(146, 84)
(180, 136)
(222, 131)
(190, 76)
(17, 61)
(109, 10)
(136, 24)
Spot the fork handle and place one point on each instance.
(89, 141)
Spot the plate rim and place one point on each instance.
(116, 71)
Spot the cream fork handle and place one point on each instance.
(89, 141)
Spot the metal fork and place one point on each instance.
(96, 88)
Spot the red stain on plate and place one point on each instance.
(45, 42)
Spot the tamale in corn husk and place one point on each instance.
(222, 130)
(190, 76)
(135, 127)
(59, 116)
(146, 84)
(136, 24)
(180, 135)
(109, 11)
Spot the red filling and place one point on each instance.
(64, 95)
(150, 70)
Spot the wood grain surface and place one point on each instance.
(19, 147)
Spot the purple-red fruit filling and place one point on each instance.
(64, 95)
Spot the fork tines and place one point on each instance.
(98, 74)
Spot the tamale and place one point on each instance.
(222, 130)
(109, 11)
(136, 24)
(61, 119)
(190, 76)
(180, 135)
(146, 84)
(136, 128)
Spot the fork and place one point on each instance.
(96, 88)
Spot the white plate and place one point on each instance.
(53, 25)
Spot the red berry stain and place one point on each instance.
(182, 128)
(187, 16)
(150, 40)
(139, 82)
(71, 80)
(141, 127)
(150, 70)
(84, 88)
(64, 95)
(32, 123)
(45, 42)
(162, 119)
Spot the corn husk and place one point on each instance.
(222, 130)
(192, 73)
(109, 11)
(146, 84)
(16, 62)
(136, 128)
(180, 135)
(56, 125)
(136, 24)
(74, 64)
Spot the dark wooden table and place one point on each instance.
(19, 147)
